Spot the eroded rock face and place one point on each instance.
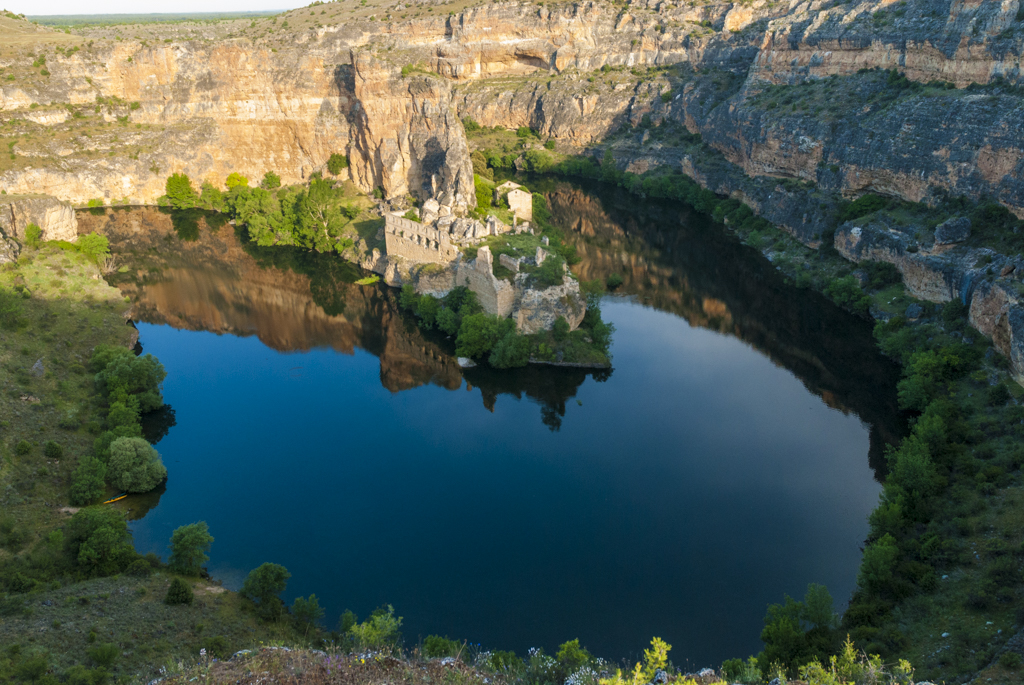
(56, 219)
(407, 138)
(537, 310)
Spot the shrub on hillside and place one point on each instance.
(180, 192)
(307, 612)
(179, 592)
(134, 465)
(98, 543)
(87, 481)
(189, 545)
(436, 647)
(336, 163)
(263, 587)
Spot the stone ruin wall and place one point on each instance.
(418, 243)
(495, 295)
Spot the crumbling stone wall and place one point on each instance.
(414, 241)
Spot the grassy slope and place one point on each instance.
(70, 311)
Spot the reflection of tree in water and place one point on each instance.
(548, 386)
(673, 259)
(330, 276)
(136, 506)
(156, 424)
(186, 221)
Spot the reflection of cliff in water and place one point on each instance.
(292, 300)
(676, 260)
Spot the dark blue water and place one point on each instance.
(676, 497)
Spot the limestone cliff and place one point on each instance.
(56, 220)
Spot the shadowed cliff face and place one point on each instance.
(677, 261)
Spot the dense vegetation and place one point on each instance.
(945, 551)
(315, 218)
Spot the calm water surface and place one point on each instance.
(726, 460)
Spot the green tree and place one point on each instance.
(512, 351)
(878, 565)
(98, 542)
(818, 608)
(307, 612)
(87, 480)
(263, 587)
(33, 235)
(270, 181)
(380, 631)
(120, 373)
(179, 592)
(104, 655)
(11, 309)
(211, 197)
(134, 465)
(180, 192)
(479, 333)
(189, 545)
(235, 180)
(336, 163)
(912, 471)
(319, 216)
(93, 245)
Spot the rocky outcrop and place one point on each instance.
(537, 310)
(406, 138)
(56, 220)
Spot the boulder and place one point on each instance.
(954, 230)
(537, 310)
(914, 311)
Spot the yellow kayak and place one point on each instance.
(116, 498)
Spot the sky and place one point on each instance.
(41, 7)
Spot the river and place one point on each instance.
(730, 457)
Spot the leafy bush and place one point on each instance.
(87, 481)
(437, 647)
(862, 206)
(236, 180)
(549, 144)
(846, 293)
(121, 374)
(179, 592)
(336, 163)
(307, 612)
(524, 132)
(998, 395)
(134, 465)
(479, 333)
(33, 235)
(11, 309)
(104, 655)
(23, 447)
(614, 281)
(189, 545)
(140, 568)
(881, 274)
(53, 450)
(94, 246)
(512, 351)
(551, 272)
(470, 125)
(380, 631)
(180, 192)
(263, 587)
(270, 181)
(98, 543)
